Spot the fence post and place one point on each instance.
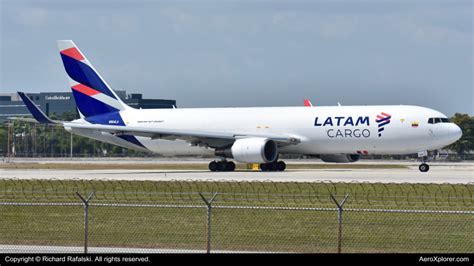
(339, 220)
(209, 213)
(86, 218)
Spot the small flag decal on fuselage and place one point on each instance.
(382, 120)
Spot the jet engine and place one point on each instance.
(339, 158)
(251, 150)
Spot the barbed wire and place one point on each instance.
(241, 192)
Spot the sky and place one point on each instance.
(251, 53)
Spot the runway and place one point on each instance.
(453, 173)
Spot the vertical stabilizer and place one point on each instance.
(92, 94)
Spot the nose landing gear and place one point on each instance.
(424, 167)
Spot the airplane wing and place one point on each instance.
(189, 135)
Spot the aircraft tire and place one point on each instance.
(281, 166)
(424, 168)
(213, 166)
(230, 166)
(273, 166)
(221, 166)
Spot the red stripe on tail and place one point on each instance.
(85, 90)
(74, 53)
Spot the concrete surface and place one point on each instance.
(455, 173)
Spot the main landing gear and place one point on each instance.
(275, 166)
(221, 166)
(228, 166)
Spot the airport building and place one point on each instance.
(60, 102)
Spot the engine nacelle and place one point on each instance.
(339, 158)
(251, 150)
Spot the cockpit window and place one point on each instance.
(436, 120)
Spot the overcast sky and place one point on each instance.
(251, 53)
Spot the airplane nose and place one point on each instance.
(456, 132)
(449, 133)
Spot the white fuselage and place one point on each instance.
(320, 129)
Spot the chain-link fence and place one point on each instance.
(195, 216)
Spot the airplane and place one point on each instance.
(340, 134)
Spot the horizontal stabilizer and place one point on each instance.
(39, 116)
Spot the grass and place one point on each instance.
(240, 229)
(179, 166)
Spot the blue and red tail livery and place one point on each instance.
(96, 101)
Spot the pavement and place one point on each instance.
(453, 173)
